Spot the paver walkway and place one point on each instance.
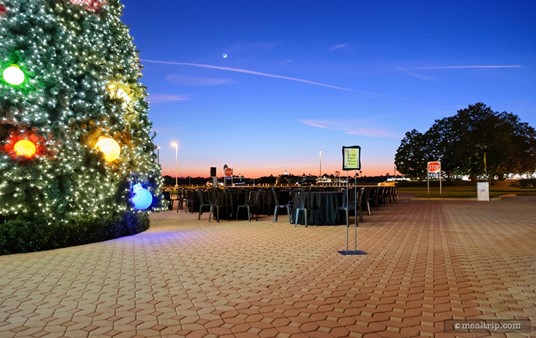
(427, 261)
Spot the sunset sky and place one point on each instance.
(265, 86)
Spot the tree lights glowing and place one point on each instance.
(91, 5)
(69, 83)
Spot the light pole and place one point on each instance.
(174, 144)
(320, 163)
(158, 154)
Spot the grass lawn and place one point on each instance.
(465, 191)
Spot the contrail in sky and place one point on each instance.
(472, 67)
(250, 72)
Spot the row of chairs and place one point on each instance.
(180, 197)
(360, 198)
(375, 196)
(211, 200)
(252, 204)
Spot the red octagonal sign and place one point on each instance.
(434, 167)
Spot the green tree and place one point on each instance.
(476, 141)
(412, 155)
(70, 81)
(474, 136)
(514, 147)
(442, 144)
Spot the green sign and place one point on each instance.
(351, 158)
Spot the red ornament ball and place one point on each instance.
(24, 145)
(25, 148)
(3, 10)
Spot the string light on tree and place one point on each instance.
(91, 5)
(121, 94)
(119, 91)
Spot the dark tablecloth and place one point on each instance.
(321, 206)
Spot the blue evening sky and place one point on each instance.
(265, 86)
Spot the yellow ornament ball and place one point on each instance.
(25, 148)
(109, 148)
(13, 75)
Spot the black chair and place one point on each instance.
(181, 199)
(374, 197)
(394, 194)
(189, 198)
(204, 202)
(365, 202)
(349, 203)
(278, 206)
(209, 199)
(251, 203)
(301, 205)
(385, 195)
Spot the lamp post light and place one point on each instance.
(174, 144)
(158, 154)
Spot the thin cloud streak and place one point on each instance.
(350, 127)
(473, 67)
(164, 98)
(339, 46)
(250, 72)
(196, 81)
(412, 74)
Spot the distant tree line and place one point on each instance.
(201, 181)
(476, 142)
(169, 181)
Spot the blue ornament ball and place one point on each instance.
(141, 197)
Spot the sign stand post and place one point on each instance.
(433, 168)
(351, 161)
(347, 196)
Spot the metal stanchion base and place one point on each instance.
(352, 252)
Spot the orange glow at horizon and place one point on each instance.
(276, 170)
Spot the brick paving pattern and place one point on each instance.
(427, 261)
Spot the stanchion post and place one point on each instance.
(347, 199)
(355, 210)
(351, 161)
(356, 215)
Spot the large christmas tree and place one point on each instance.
(77, 159)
